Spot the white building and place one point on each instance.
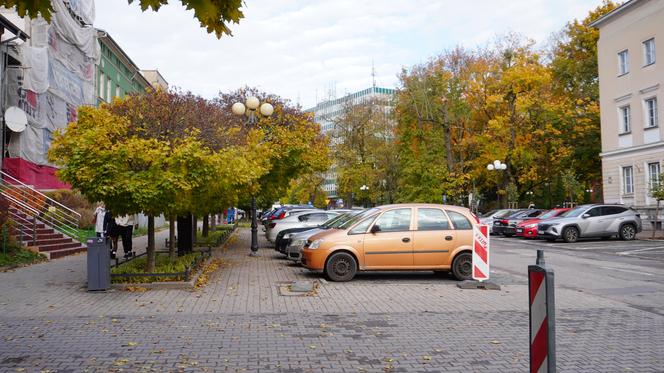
(327, 112)
(631, 83)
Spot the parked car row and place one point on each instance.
(584, 221)
(400, 237)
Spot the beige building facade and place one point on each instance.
(631, 80)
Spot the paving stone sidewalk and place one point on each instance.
(240, 323)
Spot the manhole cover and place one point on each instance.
(299, 288)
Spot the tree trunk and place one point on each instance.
(172, 252)
(151, 248)
(448, 142)
(194, 227)
(206, 224)
(213, 221)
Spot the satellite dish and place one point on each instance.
(16, 119)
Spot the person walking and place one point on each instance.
(125, 227)
(111, 232)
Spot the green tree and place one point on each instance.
(289, 143)
(657, 192)
(576, 85)
(168, 116)
(99, 157)
(363, 150)
(213, 15)
(305, 189)
(432, 127)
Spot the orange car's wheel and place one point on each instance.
(462, 266)
(340, 267)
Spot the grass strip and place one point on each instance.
(163, 265)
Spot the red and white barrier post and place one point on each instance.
(481, 252)
(542, 317)
(480, 261)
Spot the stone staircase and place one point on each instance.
(43, 238)
(38, 221)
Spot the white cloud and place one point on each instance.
(302, 48)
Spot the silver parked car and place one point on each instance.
(297, 240)
(306, 218)
(592, 221)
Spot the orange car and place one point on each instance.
(395, 237)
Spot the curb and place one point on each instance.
(166, 285)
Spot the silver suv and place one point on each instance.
(592, 221)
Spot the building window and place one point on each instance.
(625, 119)
(102, 81)
(651, 112)
(109, 92)
(653, 175)
(628, 180)
(623, 62)
(649, 52)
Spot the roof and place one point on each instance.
(157, 74)
(350, 96)
(619, 10)
(11, 27)
(105, 38)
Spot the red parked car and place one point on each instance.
(528, 228)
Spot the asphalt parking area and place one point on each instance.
(639, 248)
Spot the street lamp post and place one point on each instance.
(497, 166)
(249, 109)
(530, 194)
(365, 190)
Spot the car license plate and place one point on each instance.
(540, 232)
(519, 230)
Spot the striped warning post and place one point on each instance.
(542, 316)
(481, 252)
(538, 322)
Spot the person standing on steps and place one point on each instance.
(125, 227)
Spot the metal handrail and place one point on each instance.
(26, 199)
(68, 216)
(39, 206)
(4, 174)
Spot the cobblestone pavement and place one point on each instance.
(404, 322)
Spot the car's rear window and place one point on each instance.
(431, 220)
(459, 221)
(613, 210)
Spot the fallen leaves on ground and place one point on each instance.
(204, 278)
(120, 362)
(136, 289)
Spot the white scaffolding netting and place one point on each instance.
(56, 77)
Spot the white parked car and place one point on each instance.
(306, 218)
(488, 218)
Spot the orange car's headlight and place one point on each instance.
(316, 244)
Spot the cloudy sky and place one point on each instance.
(304, 50)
